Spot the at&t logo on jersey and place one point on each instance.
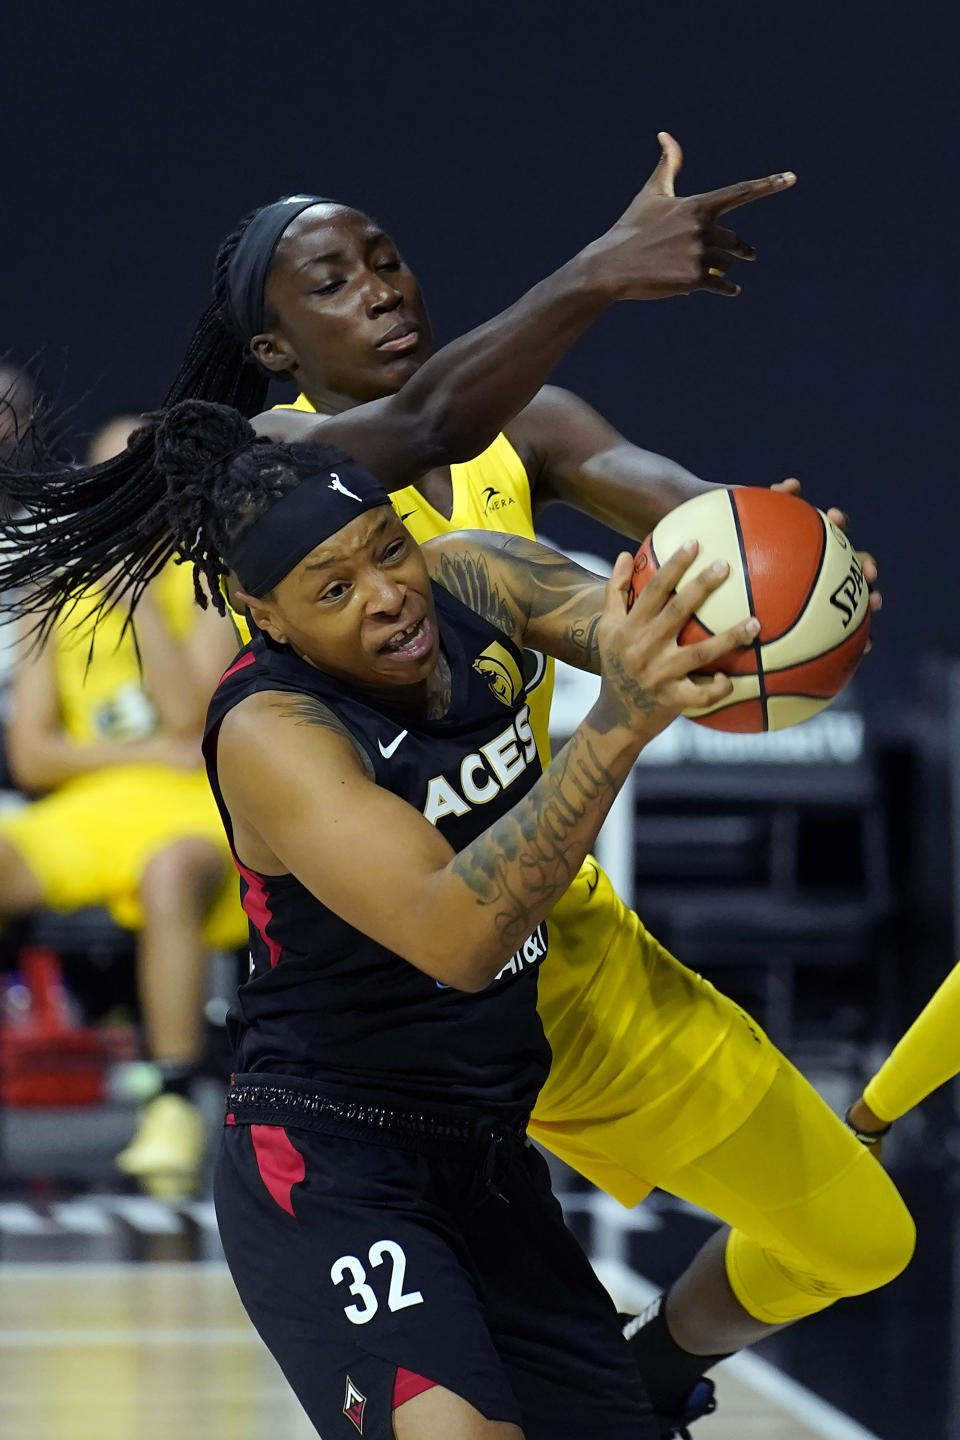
(484, 773)
(531, 952)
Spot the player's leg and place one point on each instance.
(176, 890)
(813, 1219)
(20, 887)
(554, 1326)
(346, 1257)
(440, 1415)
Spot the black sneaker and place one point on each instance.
(701, 1401)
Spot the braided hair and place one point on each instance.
(220, 477)
(108, 525)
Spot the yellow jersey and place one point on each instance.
(100, 692)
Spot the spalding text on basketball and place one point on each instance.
(846, 597)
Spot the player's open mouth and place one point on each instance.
(411, 643)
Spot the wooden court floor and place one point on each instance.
(165, 1352)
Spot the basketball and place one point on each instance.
(797, 573)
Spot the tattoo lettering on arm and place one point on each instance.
(527, 858)
(629, 696)
(307, 710)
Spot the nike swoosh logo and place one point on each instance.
(596, 879)
(387, 750)
(406, 517)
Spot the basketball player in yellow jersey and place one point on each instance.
(657, 1079)
(127, 821)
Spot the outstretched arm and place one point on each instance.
(926, 1057)
(454, 406)
(572, 454)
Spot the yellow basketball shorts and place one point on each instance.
(652, 1066)
(89, 842)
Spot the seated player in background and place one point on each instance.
(126, 821)
(926, 1057)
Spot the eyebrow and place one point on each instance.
(339, 559)
(321, 259)
(372, 239)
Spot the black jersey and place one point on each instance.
(323, 999)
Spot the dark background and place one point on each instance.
(493, 139)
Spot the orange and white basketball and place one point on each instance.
(797, 572)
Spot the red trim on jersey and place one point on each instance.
(240, 664)
(407, 1385)
(258, 910)
(231, 1119)
(280, 1163)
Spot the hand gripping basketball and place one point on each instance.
(647, 673)
(795, 569)
(665, 244)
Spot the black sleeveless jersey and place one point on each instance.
(323, 999)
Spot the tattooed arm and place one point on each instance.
(302, 802)
(534, 594)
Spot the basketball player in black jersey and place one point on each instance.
(390, 1229)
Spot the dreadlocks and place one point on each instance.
(220, 477)
(108, 525)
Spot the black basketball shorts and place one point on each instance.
(371, 1272)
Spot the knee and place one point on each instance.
(879, 1245)
(184, 875)
(836, 1246)
(869, 1243)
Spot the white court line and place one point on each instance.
(762, 1377)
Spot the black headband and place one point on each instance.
(250, 262)
(300, 520)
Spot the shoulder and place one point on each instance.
(486, 543)
(289, 426)
(255, 725)
(529, 431)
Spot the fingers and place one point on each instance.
(718, 202)
(683, 605)
(723, 239)
(790, 486)
(668, 167)
(657, 592)
(701, 691)
(840, 518)
(715, 264)
(616, 595)
(703, 655)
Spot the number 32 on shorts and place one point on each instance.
(349, 1267)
